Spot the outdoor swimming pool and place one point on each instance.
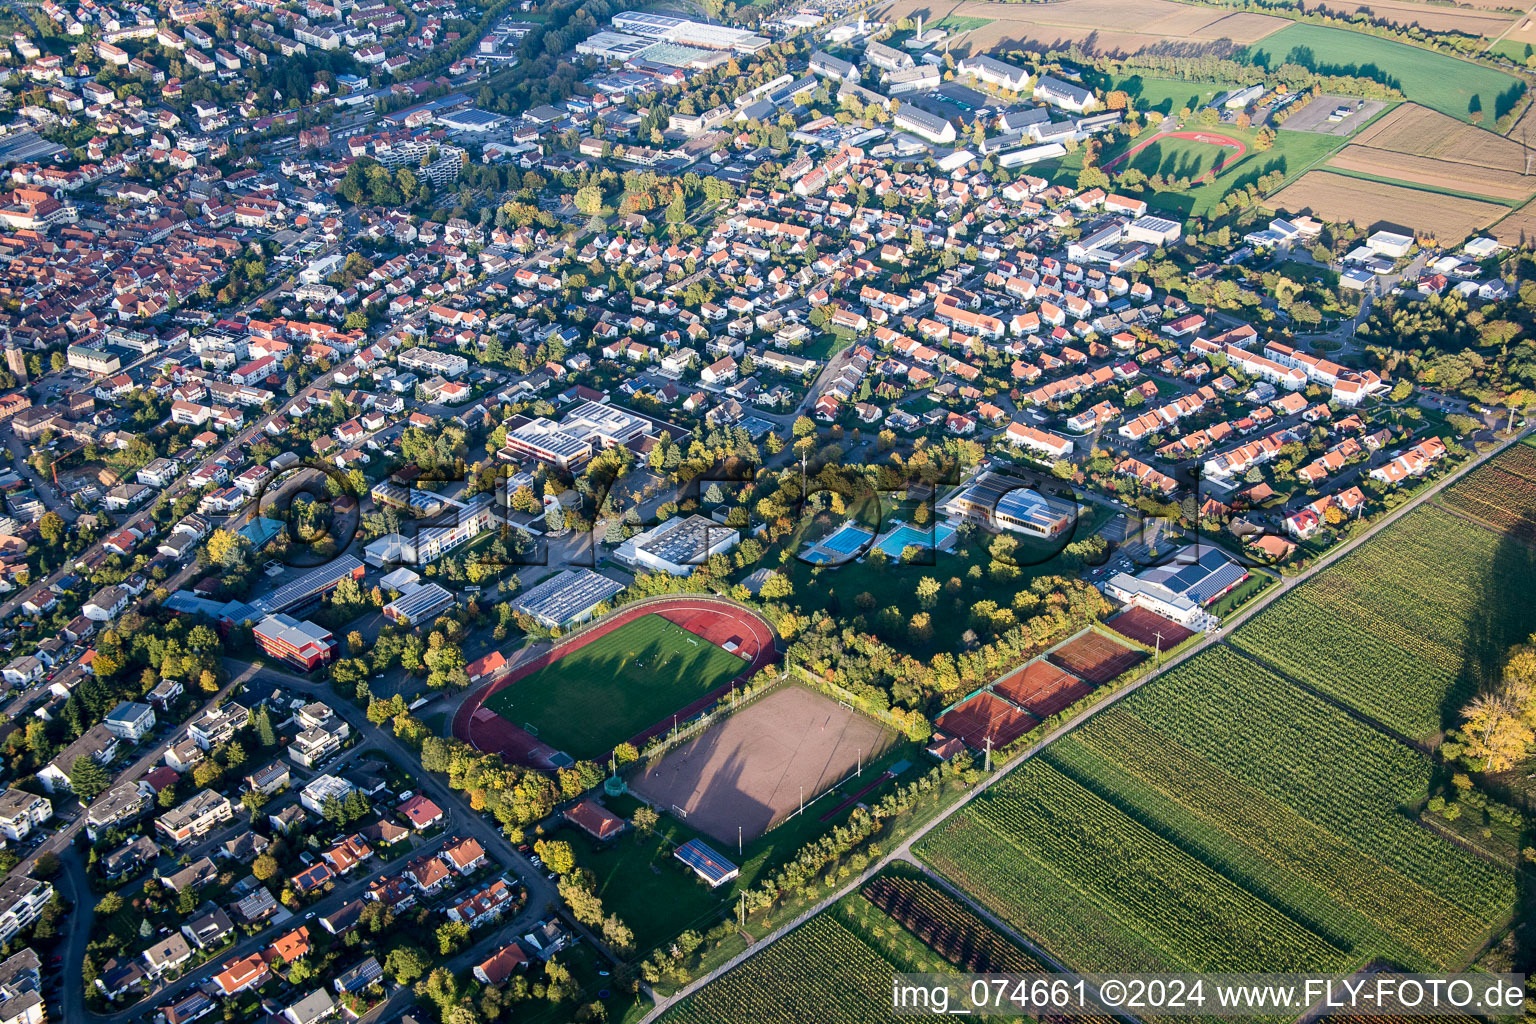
(905, 535)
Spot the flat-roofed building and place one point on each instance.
(566, 598)
(677, 546)
(421, 603)
(454, 524)
(21, 812)
(22, 899)
(1181, 590)
(196, 817)
(543, 440)
(999, 502)
(302, 644)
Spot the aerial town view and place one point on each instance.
(767, 512)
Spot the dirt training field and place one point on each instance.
(1159, 25)
(1371, 204)
(751, 769)
(1422, 132)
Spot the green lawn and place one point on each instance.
(1168, 95)
(864, 589)
(640, 880)
(1515, 51)
(1176, 158)
(1250, 588)
(829, 344)
(616, 686)
(1448, 84)
(1292, 153)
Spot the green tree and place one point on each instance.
(52, 528)
(407, 963)
(87, 778)
(557, 855)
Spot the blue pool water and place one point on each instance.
(897, 541)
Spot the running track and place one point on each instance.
(715, 619)
(1239, 147)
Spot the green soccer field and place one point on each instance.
(616, 686)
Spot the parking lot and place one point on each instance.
(1314, 117)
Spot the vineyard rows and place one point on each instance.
(821, 973)
(1505, 501)
(1220, 818)
(1291, 861)
(1345, 776)
(953, 930)
(1065, 920)
(1388, 627)
(1200, 919)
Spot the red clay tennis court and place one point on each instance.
(986, 716)
(1041, 688)
(1095, 658)
(1143, 626)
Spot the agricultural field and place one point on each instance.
(1369, 204)
(1413, 129)
(1501, 496)
(1102, 892)
(1416, 146)
(837, 967)
(1222, 819)
(1435, 173)
(1484, 20)
(1519, 228)
(821, 972)
(1452, 86)
(1405, 629)
(1059, 25)
(615, 687)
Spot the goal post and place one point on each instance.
(531, 729)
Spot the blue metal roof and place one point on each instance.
(715, 868)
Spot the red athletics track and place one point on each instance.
(716, 620)
(1209, 138)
